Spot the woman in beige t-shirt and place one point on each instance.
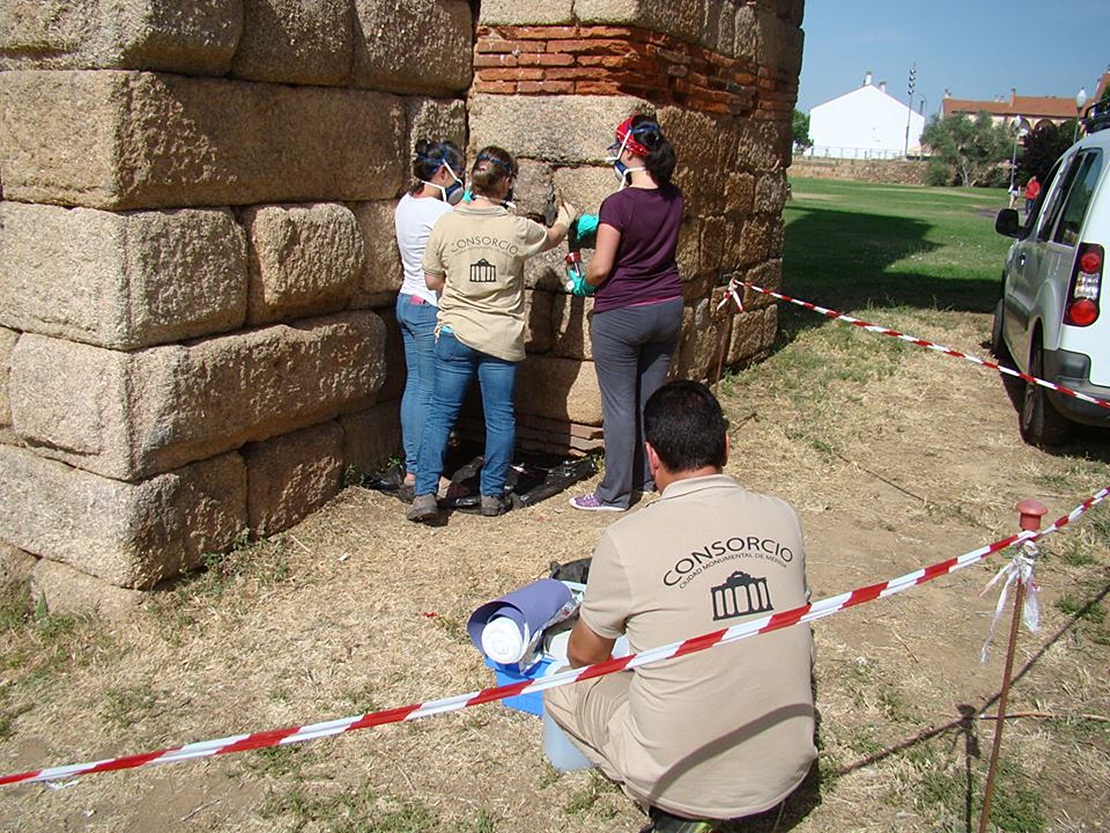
(475, 258)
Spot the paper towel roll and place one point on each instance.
(505, 641)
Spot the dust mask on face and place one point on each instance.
(453, 193)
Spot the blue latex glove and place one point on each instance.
(583, 231)
(576, 285)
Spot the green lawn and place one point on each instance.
(850, 245)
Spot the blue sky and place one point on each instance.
(978, 49)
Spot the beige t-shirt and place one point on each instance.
(725, 732)
(481, 253)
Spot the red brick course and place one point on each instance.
(620, 60)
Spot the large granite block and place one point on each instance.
(15, 565)
(559, 388)
(746, 33)
(780, 44)
(413, 46)
(70, 592)
(372, 436)
(682, 18)
(304, 260)
(192, 38)
(533, 189)
(293, 475)
(121, 280)
(295, 42)
(129, 534)
(697, 143)
(435, 119)
(133, 415)
(153, 141)
(587, 187)
(382, 273)
(771, 193)
(7, 344)
(538, 329)
(575, 129)
(704, 342)
(571, 323)
(525, 12)
(789, 10)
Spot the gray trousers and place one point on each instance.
(632, 349)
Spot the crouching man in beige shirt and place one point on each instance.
(719, 734)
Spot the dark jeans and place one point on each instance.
(632, 349)
(455, 366)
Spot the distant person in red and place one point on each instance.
(1032, 189)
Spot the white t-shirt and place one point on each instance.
(413, 221)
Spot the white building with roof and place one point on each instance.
(866, 123)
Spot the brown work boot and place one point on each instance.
(423, 508)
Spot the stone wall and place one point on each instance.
(552, 80)
(893, 171)
(197, 266)
(197, 263)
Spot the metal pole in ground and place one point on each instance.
(1031, 512)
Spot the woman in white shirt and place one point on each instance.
(437, 186)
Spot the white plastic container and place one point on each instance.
(559, 749)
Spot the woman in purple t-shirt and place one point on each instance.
(638, 304)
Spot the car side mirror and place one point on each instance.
(1006, 223)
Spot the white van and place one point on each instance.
(1050, 320)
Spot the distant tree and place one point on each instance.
(1043, 146)
(970, 151)
(800, 124)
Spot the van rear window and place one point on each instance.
(1079, 198)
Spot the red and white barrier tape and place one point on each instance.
(920, 342)
(806, 613)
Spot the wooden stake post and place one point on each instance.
(1031, 512)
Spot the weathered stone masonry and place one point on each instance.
(721, 77)
(197, 264)
(197, 267)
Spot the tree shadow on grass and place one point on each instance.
(841, 260)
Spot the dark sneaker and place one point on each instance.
(493, 505)
(423, 508)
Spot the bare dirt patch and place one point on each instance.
(912, 461)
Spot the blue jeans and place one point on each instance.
(418, 324)
(455, 366)
(632, 349)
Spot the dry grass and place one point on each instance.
(895, 457)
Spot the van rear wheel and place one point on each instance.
(1041, 424)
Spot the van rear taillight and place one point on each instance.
(1086, 283)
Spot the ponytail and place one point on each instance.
(661, 159)
(492, 166)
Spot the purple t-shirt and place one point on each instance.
(645, 270)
